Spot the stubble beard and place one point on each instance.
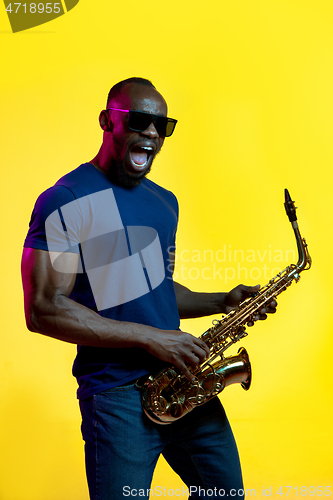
(118, 175)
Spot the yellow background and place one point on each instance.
(251, 83)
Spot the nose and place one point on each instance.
(151, 131)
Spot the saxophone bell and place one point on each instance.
(165, 402)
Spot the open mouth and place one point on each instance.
(140, 156)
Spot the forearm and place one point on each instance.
(50, 311)
(66, 320)
(196, 304)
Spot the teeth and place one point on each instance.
(148, 148)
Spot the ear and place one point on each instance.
(105, 121)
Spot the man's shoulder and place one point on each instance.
(161, 191)
(75, 184)
(83, 176)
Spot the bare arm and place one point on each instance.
(50, 311)
(195, 304)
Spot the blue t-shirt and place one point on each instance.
(123, 237)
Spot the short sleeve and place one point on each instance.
(48, 207)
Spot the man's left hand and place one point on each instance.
(242, 292)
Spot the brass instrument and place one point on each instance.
(170, 395)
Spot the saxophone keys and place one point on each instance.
(175, 410)
(196, 395)
(218, 387)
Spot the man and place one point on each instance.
(95, 273)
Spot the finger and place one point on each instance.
(271, 309)
(184, 369)
(202, 345)
(262, 317)
(249, 289)
(228, 309)
(201, 355)
(252, 290)
(188, 363)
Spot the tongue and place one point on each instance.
(139, 157)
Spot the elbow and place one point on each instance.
(33, 319)
(31, 322)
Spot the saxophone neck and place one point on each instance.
(304, 259)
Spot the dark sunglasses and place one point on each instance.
(138, 121)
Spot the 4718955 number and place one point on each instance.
(34, 8)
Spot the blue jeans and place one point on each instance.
(122, 447)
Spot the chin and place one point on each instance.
(119, 175)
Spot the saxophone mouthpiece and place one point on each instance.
(289, 206)
(287, 196)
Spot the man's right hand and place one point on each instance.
(178, 348)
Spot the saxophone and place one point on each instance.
(169, 395)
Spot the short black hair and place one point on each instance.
(117, 88)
